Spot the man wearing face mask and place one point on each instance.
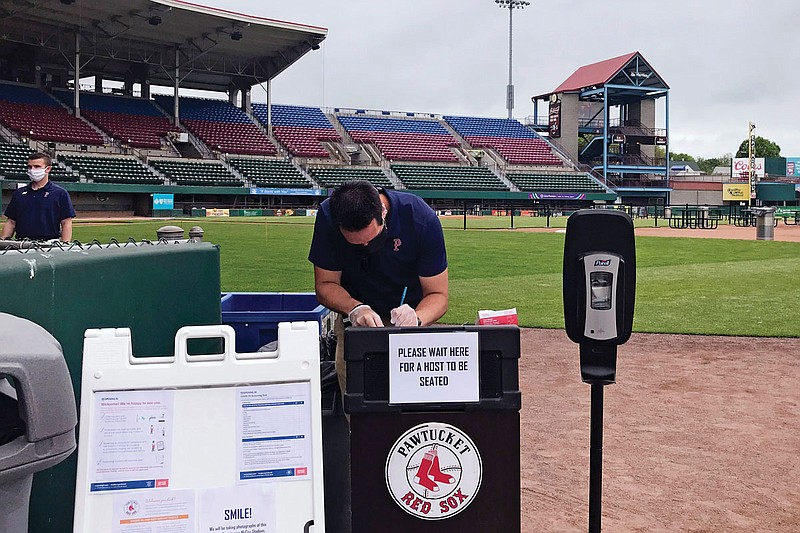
(41, 210)
(379, 259)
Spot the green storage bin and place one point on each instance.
(152, 289)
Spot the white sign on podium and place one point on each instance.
(434, 367)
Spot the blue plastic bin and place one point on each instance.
(254, 316)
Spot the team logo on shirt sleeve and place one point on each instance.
(434, 471)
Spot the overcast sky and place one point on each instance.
(727, 62)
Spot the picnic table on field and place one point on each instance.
(694, 217)
(746, 217)
(791, 217)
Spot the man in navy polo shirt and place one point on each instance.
(41, 210)
(379, 259)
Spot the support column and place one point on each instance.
(77, 68)
(247, 100)
(605, 135)
(98, 83)
(269, 106)
(176, 85)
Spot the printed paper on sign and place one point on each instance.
(493, 318)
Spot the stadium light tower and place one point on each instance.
(511, 5)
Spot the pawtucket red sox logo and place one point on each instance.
(433, 471)
(397, 243)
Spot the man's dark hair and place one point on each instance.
(41, 155)
(355, 204)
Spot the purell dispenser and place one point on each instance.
(599, 293)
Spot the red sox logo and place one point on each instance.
(433, 471)
(397, 243)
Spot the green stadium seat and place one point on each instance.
(437, 177)
(332, 177)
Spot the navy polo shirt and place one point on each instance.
(414, 248)
(38, 213)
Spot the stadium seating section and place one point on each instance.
(132, 121)
(14, 164)
(448, 178)
(100, 169)
(299, 129)
(32, 113)
(212, 173)
(303, 131)
(269, 172)
(220, 125)
(14, 161)
(403, 139)
(334, 176)
(562, 182)
(514, 142)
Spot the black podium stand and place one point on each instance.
(434, 467)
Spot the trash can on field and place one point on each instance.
(765, 223)
(37, 415)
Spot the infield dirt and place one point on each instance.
(702, 434)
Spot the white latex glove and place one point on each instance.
(404, 316)
(363, 315)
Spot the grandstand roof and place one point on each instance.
(611, 70)
(217, 47)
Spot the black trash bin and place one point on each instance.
(425, 467)
(40, 411)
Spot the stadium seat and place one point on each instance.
(132, 121)
(220, 125)
(14, 164)
(511, 140)
(555, 182)
(111, 169)
(299, 129)
(269, 172)
(193, 172)
(448, 178)
(403, 139)
(332, 177)
(32, 113)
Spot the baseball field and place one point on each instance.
(702, 428)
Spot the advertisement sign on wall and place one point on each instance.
(555, 120)
(163, 201)
(740, 167)
(735, 192)
(793, 167)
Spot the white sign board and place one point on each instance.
(433, 367)
(202, 443)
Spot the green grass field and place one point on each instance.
(699, 286)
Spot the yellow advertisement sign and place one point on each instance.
(217, 212)
(735, 192)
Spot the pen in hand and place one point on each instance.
(403, 297)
